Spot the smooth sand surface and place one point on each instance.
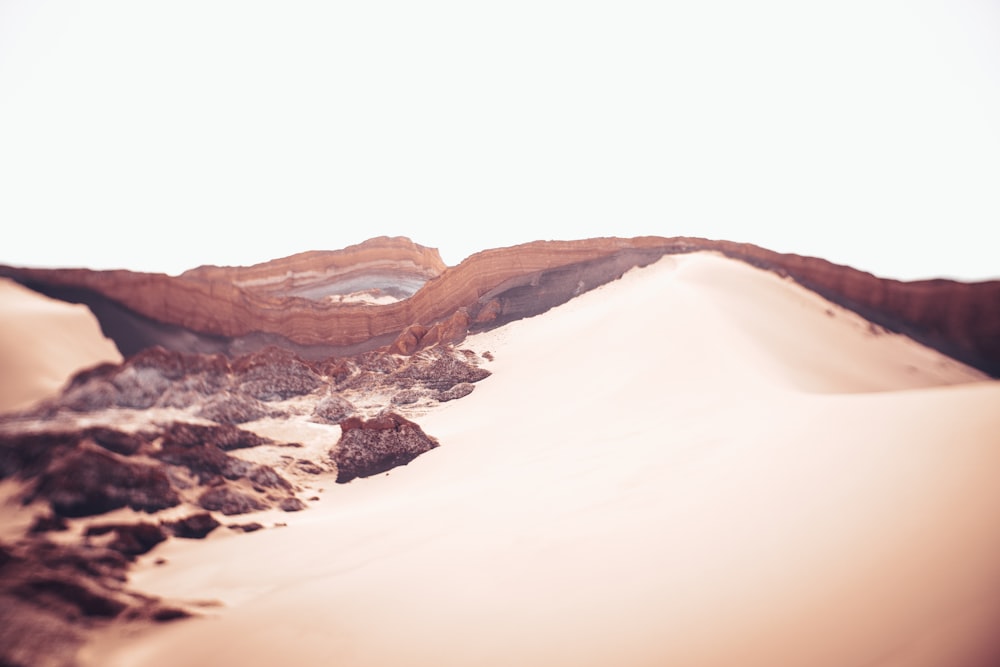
(699, 464)
(43, 342)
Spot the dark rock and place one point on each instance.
(90, 561)
(51, 594)
(364, 381)
(224, 436)
(333, 409)
(176, 365)
(139, 386)
(48, 523)
(86, 599)
(99, 372)
(194, 527)
(274, 374)
(408, 341)
(451, 330)
(90, 481)
(153, 376)
(27, 455)
(204, 461)
(246, 527)
(371, 447)
(407, 397)
(337, 370)
(179, 397)
(233, 408)
(118, 442)
(291, 504)
(23, 624)
(131, 539)
(95, 394)
(377, 362)
(309, 467)
(439, 369)
(165, 614)
(229, 501)
(458, 391)
(265, 476)
(200, 450)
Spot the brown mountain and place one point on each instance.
(393, 292)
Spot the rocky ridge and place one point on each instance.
(239, 310)
(175, 445)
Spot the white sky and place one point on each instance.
(163, 135)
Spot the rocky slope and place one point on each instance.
(171, 445)
(287, 302)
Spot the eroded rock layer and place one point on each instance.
(286, 303)
(393, 267)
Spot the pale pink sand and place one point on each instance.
(43, 342)
(694, 465)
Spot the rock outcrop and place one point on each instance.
(52, 594)
(133, 435)
(370, 447)
(152, 471)
(240, 310)
(393, 267)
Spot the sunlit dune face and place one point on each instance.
(42, 343)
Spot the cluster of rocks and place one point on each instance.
(99, 469)
(434, 375)
(52, 594)
(255, 386)
(94, 470)
(223, 391)
(370, 447)
(62, 587)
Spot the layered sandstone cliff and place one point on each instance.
(287, 302)
(396, 267)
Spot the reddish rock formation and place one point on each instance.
(451, 330)
(129, 539)
(240, 310)
(51, 594)
(333, 409)
(96, 470)
(193, 527)
(91, 481)
(374, 446)
(395, 266)
(230, 501)
(409, 340)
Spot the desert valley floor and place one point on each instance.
(701, 463)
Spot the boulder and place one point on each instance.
(229, 501)
(233, 408)
(193, 527)
(130, 539)
(90, 481)
(374, 446)
(333, 409)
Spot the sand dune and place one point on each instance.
(42, 343)
(698, 464)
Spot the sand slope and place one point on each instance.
(699, 464)
(42, 343)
